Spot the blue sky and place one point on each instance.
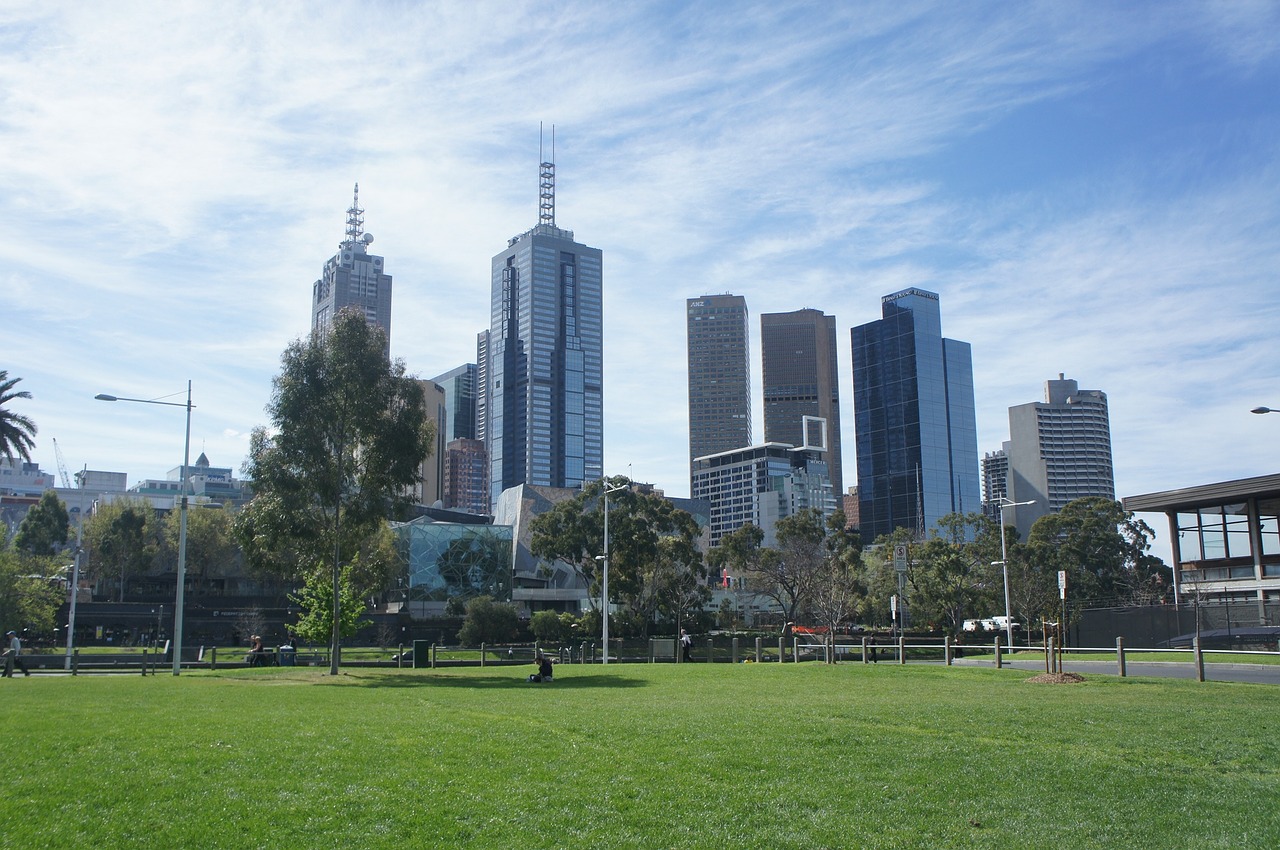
(1092, 188)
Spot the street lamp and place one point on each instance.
(604, 584)
(1264, 410)
(1004, 565)
(182, 519)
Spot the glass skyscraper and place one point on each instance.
(917, 435)
(353, 278)
(798, 362)
(719, 375)
(543, 419)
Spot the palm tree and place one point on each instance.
(16, 430)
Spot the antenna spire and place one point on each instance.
(547, 187)
(355, 218)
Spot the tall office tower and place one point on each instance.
(719, 375)
(353, 278)
(482, 387)
(1059, 451)
(544, 416)
(460, 401)
(798, 356)
(430, 487)
(914, 417)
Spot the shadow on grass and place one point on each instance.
(511, 677)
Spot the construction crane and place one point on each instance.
(62, 465)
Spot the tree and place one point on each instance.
(548, 627)
(1104, 550)
(350, 432)
(17, 432)
(840, 585)
(212, 548)
(487, 621)
(45, 528)
(639, 523)
(120, 540)
(315, 598)
(29, 599)
(789, 574)
(951, 575)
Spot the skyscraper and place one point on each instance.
(719, 375)
(353, 278)
(914, 415)
(1059, 450)
(798, 356)
(544, 411)
(460, 401)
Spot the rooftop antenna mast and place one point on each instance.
(355, 219)
(547, 187)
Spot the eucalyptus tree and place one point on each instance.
(349, 431)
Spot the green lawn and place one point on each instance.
(639, 756)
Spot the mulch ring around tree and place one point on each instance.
(1056, 679)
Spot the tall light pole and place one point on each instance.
(182, 519)
(604, 584)
(1264, 410)
(1004, 565)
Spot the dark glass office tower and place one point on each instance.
(353, 278)
(460, 402)
(798, 357)
(719, 375)
(914, 415)
(544, 412)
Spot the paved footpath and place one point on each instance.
(1268, 674)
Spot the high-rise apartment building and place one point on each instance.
(430, 487)
(995, 481)
(1059, 450)
(914, 417)
(353, 278)
(466, 476)
(798, 361)
(760, 485)
(719, 374)
(544, 407)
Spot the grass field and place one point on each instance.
(637, 756)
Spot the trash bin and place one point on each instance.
(288, 656)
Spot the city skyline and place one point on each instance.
(1095, 192)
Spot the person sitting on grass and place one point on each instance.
(544, 668)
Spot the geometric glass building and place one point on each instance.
(353, 278)
(917, 435)
(798, 360)
(1059, 450)
(447, 559)
(544, 406)
(719, 374)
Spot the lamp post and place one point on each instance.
(182, 519)
(1004, 566)
(604, 584)
(1264, 410)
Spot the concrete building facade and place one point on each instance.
(718, 348)
(353, 278)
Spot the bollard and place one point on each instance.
(400, 656)
(433, 656)
(1120, 657)
(782, 649)
(795, 650)
(946, 649)
(999, 656)
(144, 662)
(902, 649)
(735, 650)
(865, 660)
(1199, 656)
(759, 650)
(481, 653)
(213, 658)
(711, 645)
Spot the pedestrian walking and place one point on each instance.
(686, 645)
(11, 655)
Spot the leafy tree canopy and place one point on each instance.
(45, 528)
(29, 598)
(120, 541)
(487, 621)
